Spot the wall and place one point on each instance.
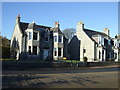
(86, 43)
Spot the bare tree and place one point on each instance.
(69, 33)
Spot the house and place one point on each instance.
(60, 43)
(31, 41)
(37, 42)
(96, 46)
(116, 47)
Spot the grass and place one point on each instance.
(73, 61)
(7, 59)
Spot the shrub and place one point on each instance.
(85, 59)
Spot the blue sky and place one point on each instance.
(95, 15)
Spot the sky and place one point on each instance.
(94, 15)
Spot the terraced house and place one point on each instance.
(37, 42)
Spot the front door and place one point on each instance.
(46, 51)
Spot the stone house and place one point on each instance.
(31, 41)
(60, 43)
(37, 42)
(96, 46)
(116, 47)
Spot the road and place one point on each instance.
(101, 77)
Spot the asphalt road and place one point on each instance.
(101, 77)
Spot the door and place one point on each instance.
(46, 52)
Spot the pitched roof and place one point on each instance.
(56, 29)
(90, 33)
(24, 26)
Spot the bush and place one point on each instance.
(85, 59)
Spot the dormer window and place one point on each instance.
(35, 35)
(100, 40)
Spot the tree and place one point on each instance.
(69, 33)
(4, 47)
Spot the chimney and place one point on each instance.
(79, 28)
(106, 31)
(57, 24)
(18, 19)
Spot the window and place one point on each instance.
(99, 39)
(55, 38)
(55, 51)
(29, 50)
(84, 50)
(59, 51)
(115, 55)
(34, 50)
(102, 41)
(99, 54)
(35, 35)
(109, 42)
(30, 35)
(60, 39)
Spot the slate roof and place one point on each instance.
(24, 26)
(90, 33)
(56, 29)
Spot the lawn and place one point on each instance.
(71, 61)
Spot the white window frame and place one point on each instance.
(55, 38)
(29, 35)
(59, 38)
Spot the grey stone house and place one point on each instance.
(37, 42)
(96, 46)
(31, 41)
(60, 43)
(116, 47)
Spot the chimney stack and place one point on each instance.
(18, 19)
(106, 31)
(57, 24)
(79, 28)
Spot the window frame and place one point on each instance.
(55, 38)
(35, 53)
(99, 55)
(35, 37)
(30, 35)
(60, 52)
(29, 50)
(55, 51)
(59, 38)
